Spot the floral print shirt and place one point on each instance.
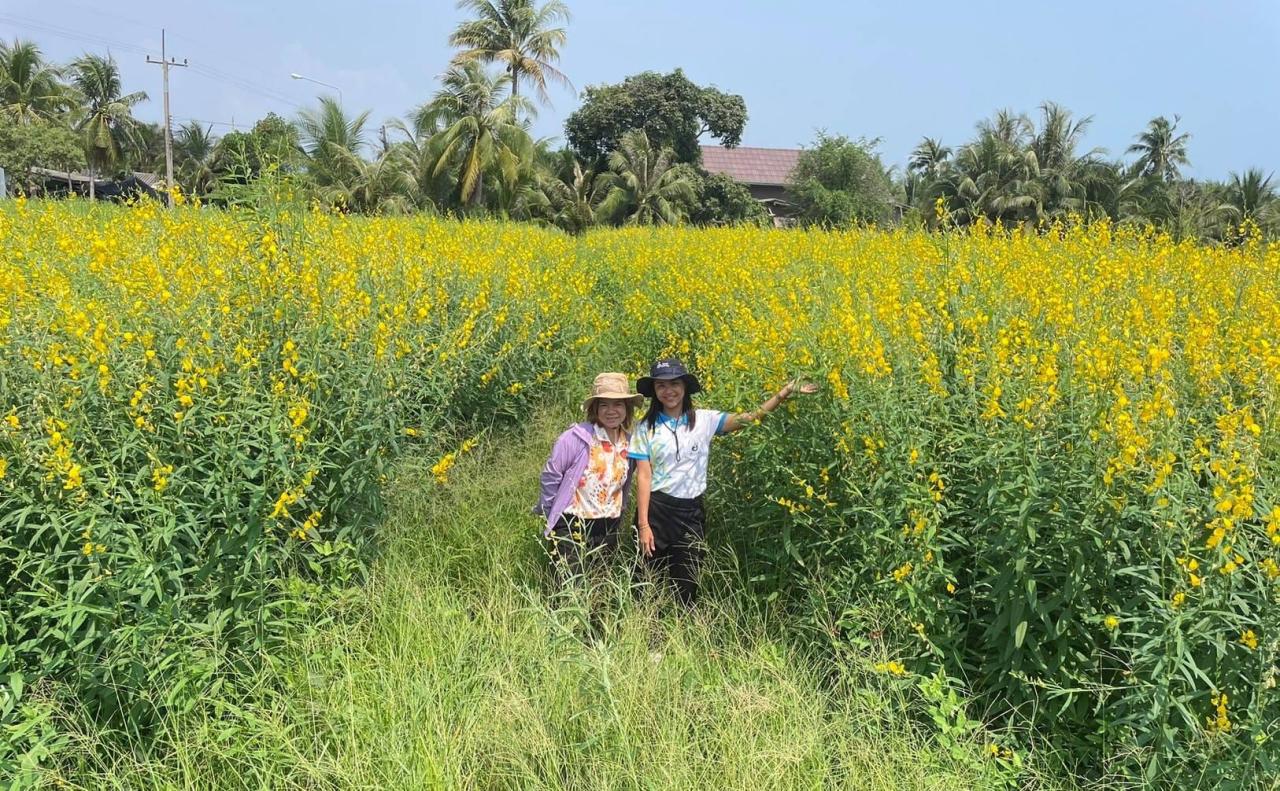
(599, 492)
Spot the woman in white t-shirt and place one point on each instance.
(671, 447)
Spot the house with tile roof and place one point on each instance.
(766, 173)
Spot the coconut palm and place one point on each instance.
(579, 200)
(30, 88)
(519, 35)
(1065, 176)
(929, 158)
(332, 141)
(1249, 195)
(644, 186)
(380, 186)
(995, 176)
(107, 124)
(1160, 150)
(195, 149)
(482, 132)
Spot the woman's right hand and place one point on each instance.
(644, 534)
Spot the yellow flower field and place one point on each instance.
(1044, 464)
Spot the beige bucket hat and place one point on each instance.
(612, 385)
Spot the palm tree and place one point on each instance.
(579, 200)
(332, 141)
(30, 88)
(481, 131)
(377, 187)
(107, 123)
(1160, 151)
(1007, 128)
(928, 169)
(195, 149)
(1066, 177)
(929, 158)
(517, 34)
(644, 187)
(996, 175)
(1250, 196)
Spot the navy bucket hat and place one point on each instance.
(670, 368)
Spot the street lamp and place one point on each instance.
(295, 75)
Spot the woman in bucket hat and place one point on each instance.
(586, 478)
(671, 448)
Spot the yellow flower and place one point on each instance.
(1111, 622)
(1220, 722)
(440, 470)
(1249, 639)
(892, 667)
(160, 476)
(1178, 599)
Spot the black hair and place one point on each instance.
(650, 418)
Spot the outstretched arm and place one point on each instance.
(741, 420)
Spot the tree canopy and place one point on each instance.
(840, 181)
(672, 111)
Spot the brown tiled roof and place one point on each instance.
(762, 166)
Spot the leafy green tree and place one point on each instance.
(36, 143)
(673, 112)
(644, 186)
(31, 89)
(273, 142)
(719, 200)
(1161, 151)
(107, 125)
(520, 35)
(839, 182)
(482, 131)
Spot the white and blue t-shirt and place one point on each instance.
(678, 454)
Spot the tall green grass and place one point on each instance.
(457, 667)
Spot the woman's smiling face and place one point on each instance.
(670, 392)
(610, 412)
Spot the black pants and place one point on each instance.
(581, 547)
(679, 529)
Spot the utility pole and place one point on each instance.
(165, 62)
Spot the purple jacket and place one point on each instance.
(560, 476)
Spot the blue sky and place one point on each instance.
(892, 70)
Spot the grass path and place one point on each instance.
(452, 671)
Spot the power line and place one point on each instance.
(231, 124)
(63, 32)
(209, 72)
(239, 82)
